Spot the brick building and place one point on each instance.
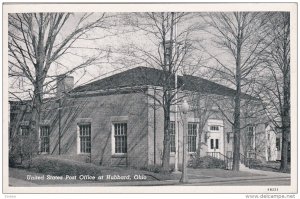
(115, 121)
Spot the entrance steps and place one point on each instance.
(244, 168)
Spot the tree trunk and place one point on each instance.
(199, 143)
(36, 114)
(166, 142)
(285, 124)
(236, 135)
(237, 110)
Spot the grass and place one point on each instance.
(270, 166)
(219, 173)
(61, 167)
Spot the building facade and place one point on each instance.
(115, 122)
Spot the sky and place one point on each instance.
(115, 37)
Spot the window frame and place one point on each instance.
(41, 139)
(192, 136)
(278, 144)
(214, 130)
(228, 137)
(21, 130)
(251, 138)
(172, 137)
(212, 144)
(79, 150)
(217, 143)
(114, 139)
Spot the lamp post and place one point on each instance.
(184, 109)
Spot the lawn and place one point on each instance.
(23, 173)
(270, 166)
(219, 173)
(44, 167)
(50, 170)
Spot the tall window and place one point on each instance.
(24, 141)
(168, 51)
(192, 135)
(250, 134)
(211, 143)
(44, 136)
(85, 138)
(172, 137)
(217, 143)
(278, 144)
(120, 135)
(228, 137)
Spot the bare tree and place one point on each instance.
(165, 48)
(274, 83)
(239, 35)
(36, 42)
(203, 105)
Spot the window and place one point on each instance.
(269, 136)
(250, 129)
(211, 143)
(24, 131)
(250, 134)
(172, 137)
(206, 137)
(228, 137)
(192, 136)
(24, 134)
(44, 136)
(278, 144)
(168, 51)
(85, 138)
(217, 143)
(214, 128)
(120, 136)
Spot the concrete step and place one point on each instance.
(243, 167)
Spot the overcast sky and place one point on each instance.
(108, 42)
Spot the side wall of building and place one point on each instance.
(101, 112)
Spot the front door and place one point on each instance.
(215, 140)
(214, 147)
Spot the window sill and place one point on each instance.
(119, 155)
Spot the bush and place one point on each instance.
(60, 167)
(207, 162)
(254, 163)
(13, 160)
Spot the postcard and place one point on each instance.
(150, 98)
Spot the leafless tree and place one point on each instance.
(37, 41)
(239, 35)
(274, 82)
(166, 48)
(202, 107)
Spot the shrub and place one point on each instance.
(59, 167)
(207, 162)
(13, 160)
(254, 163)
